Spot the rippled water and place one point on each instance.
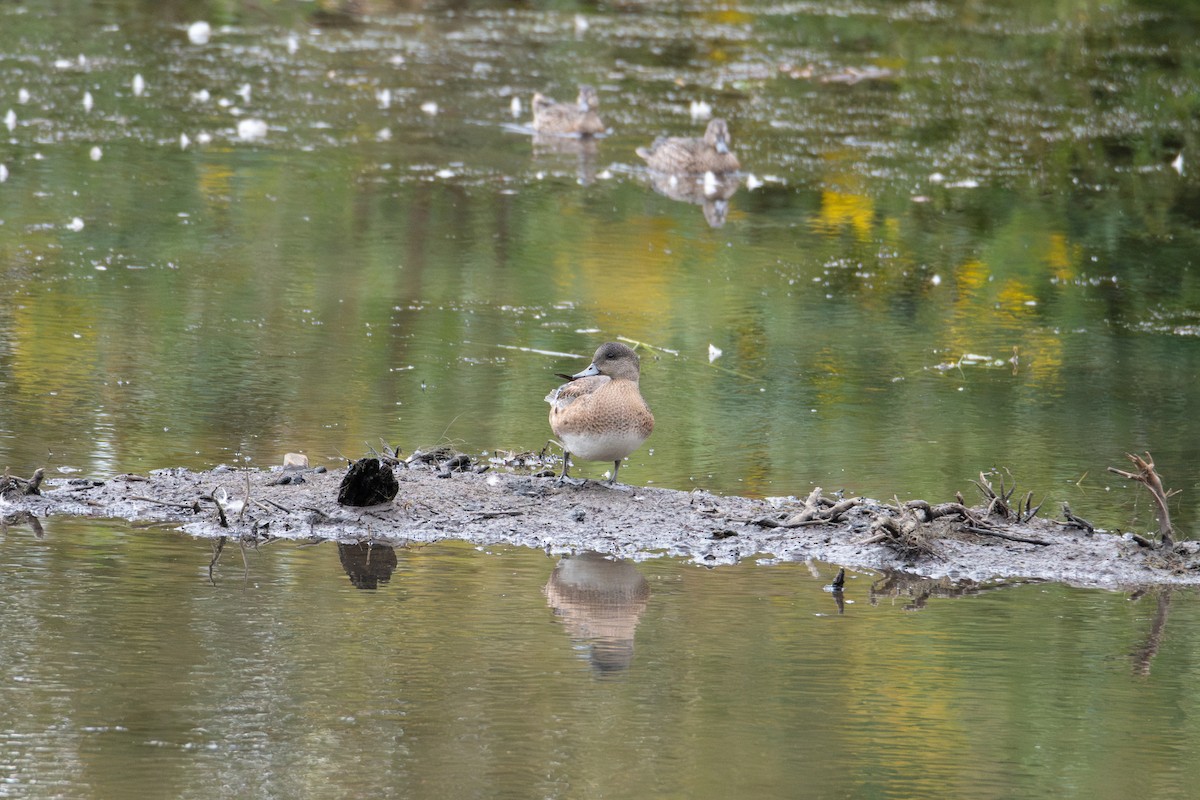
(964, 239)
(929, 191)
(443, 671)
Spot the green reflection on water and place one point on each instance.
(937, 181)
(129, 673)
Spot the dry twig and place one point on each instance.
(1150, 479)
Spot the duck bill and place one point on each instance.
(591, 370)
(722, 147)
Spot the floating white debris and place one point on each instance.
(293, 43)
(88, 102)
(251, 129)
(76, 224)
(201, 96)
(1177, 164)
(22, 95)
(383, 135)
(966, 183)
(3, 173)
(96, 153)
(138, 85)
(383, 98)
(700, 110)
(10, 120)
(581, 23)
(429, 107)
(199, 32)
(753, 182)
(936, 280)
(714, 353)
(515, 107)
(244, 92)
(184, 141)
(445, 173)
(396, 60)
(203, 137)
(604, 175)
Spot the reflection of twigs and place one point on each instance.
(217, 548)
(1147, 652)
(1149, 478)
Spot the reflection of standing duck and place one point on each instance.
(367, 564)
(601, 602)
(579, 118)
(685, 156)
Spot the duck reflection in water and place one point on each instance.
(710, 191)
(565, 150)
(368, 564)
(600, 602)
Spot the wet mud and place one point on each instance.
(503, 507)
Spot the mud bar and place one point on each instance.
(450, 496)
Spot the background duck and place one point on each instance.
(579, 118)
(688, 156)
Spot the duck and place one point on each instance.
(690, 156)
(599, 413)
(579, 118)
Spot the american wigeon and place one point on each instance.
(599, 414)
(683, 156)
(578, 118)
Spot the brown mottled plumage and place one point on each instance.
(578, 118)
(684, 156)
(599, 414)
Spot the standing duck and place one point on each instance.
(599, 413)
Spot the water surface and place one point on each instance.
(964, 240)
(394, 258)
(444, 671)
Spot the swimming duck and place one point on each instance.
(599, 413)
(687, 156)
(579, 118)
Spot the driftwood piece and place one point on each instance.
(1000, 501)
(1078, 522)
(903, 533)
(13, 487)
(1150, 479)
(817, 510)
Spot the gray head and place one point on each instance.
(717, 135)
(589, 99)
(614, 360)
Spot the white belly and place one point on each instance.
(609, 447)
